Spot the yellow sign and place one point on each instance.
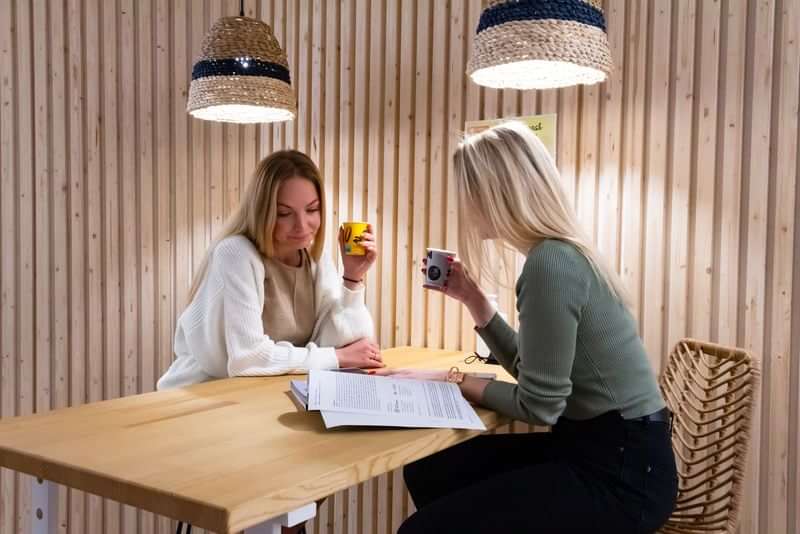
(544, 126)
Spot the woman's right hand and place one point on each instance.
(463, 288)
(361, 353)
(459, 283)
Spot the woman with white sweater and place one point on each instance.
(266, 300)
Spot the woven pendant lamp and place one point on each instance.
(242, 75)
(540, 44)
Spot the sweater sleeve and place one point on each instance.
(343, 316)
(502, 342)
(551, 294)
(250, 351)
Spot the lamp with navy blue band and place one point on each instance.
(540, 44)
(242, 75)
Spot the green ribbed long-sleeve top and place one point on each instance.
(577, 352)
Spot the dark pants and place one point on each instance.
(601, 475)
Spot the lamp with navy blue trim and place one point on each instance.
(540, 44)
(242, 75)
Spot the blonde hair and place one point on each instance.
(255, 216)
(508, 186)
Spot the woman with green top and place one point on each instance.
(608, 465)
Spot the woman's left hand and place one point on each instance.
(355, 267)
(414, 374)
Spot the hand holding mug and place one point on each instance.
(449, 276)
(457, 283)
(359, 252)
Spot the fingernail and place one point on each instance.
(370, 372)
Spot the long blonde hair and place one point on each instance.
(509, 188)
(255, 216)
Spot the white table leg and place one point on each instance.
(44, 507)
(290, 519)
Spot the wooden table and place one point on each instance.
(223, 455)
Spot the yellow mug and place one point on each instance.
(353, 231)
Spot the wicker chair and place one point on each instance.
(713, 392)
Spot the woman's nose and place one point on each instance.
(302, 221)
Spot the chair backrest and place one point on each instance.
(712, 391)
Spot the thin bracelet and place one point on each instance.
(351, 280)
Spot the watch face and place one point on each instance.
(434, 273)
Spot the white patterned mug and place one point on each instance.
(437, 267)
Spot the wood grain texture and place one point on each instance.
(265, 457)
(683, 169)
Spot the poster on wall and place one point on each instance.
(544, 126)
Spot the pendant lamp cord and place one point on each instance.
(241, 8)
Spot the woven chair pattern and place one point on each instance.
(712, 391)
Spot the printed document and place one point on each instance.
(362, 399)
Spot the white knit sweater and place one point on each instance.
(221, 334)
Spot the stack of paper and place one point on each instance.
(299, 389)
(367, 400)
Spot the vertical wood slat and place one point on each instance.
(610, 132)
(42, 202)
(733, 31)
(197, 193)
(587, 170)
(633, 199)
(454, 119)
(776, 505)
(758, 88)
(366, 136)
(330, 137)
(145, 324)
(346, 114)
(653, 316)
(76, 215)
(110, 231)
(302, 67)
(9, 315)
(418, 190)
(387, 231)
(434, 235)
(404, 179)
(683, 166)
(702, 190)
(377, 152)
(25, 294)
(471, 107)
(316, 139)
(94, 224)
(794, 343)
(680, 138)
(164, 317)
(373, 144)
(129, 161)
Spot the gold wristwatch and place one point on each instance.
(455, 376)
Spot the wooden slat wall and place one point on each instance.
(683, 166)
